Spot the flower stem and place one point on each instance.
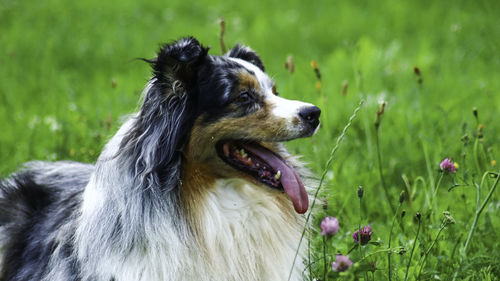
(435, 194)
(390, 238)
(476, 217)
(359, 230)
(359, 235)
(478, 212)
(376, 252)
(412, 250)
(324, 258)
(379, 158)
(443, 225)
(309, 256)
(325, 171)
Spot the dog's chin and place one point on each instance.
(266, 167)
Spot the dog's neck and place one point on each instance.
(242, 231)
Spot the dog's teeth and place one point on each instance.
(278, 175)
(243, 153)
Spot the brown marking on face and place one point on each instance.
(259, 126)
(196, 182)
(247, 81)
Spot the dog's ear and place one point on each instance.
(178, 61)
(154, 144)
(247, 54)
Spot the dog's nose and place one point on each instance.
(310, 115)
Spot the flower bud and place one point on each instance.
(448, 219)
(360, 192)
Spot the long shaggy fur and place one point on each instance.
(148, 209)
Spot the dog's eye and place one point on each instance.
(244, 97)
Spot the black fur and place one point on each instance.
(247, 54)
(34, 205)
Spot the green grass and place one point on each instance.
(68, 73)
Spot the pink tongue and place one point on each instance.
(289, 178)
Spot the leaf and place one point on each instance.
(376, 243)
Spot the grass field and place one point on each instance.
(68, 73)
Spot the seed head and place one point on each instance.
(465, 139)
(344, 88)
(401, 197)
(401, 251)
(324, 203)
(222, 30)
(480, 130)
(289, 64)
(448, 219)
(379, 114)
(417, 72)
(382, 108)
(318, 86)
(314, 65)
(418, 215)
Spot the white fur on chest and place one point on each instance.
(249, 235)
(246, 236)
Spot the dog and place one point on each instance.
(195, 186)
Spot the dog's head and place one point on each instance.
(222, 112)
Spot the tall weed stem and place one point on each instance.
(428, 250)
(413, 248)
(476, 218)
(325, 268)
(480, 210)
(434, 196)
(390, 239)
(325, 171)
(379, 158)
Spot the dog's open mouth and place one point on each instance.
(266, 167)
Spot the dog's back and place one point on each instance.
(37, 206)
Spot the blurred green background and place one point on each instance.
(68, 73)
